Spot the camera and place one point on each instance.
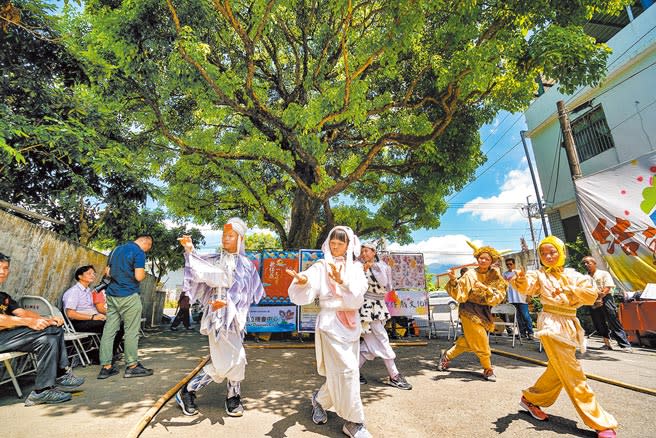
(104, 282)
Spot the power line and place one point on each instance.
(484, 171)
(614, 61)
(504, 134)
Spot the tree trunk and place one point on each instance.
(304, 218)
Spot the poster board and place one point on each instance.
(307, 315)
(407, 270)
(274, 278)
(407, 303)
(271, 319)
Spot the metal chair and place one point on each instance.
(25, 363)
(43, 307)
(507, 311)
(450, 308)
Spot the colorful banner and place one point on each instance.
(307, 318)
(407, 270)
(307, 257)
(406, 303)
(271, 319)
(256, 258)
(618, 211)
(274, 278)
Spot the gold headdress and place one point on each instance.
(488, 249)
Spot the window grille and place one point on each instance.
(591, 134)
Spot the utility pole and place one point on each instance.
(545, 230)
(572, 156)
(530, 221)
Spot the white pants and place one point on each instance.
(376, 343)
(228, 358)
(337, 360)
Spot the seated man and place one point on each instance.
(86, 308)
(24, 330)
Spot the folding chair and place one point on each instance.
(507, 310)
(453, 322)
(25, 363)
(41, 306)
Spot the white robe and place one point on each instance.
(337, 347)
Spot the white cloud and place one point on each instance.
(515, 188)
(451, 249)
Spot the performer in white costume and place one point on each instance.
(339, 283)
(226, 284)
(374, 315)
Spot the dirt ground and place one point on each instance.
(279, 382)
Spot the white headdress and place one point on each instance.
(238, 226)
(352, 250)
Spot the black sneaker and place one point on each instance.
(233, 406)
(398, 382)
(319, 415)
(107, 372)
(68, 382)
(187, 401)
(363, 380)
(49, 396)
(137, 371)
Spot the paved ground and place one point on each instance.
(279, 382)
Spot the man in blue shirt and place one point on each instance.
(126, 267)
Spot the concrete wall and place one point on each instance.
(628, 98)
(43, 263)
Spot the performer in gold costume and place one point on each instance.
(477, 291)
(561, 291)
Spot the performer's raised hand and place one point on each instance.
(520, 278)
(300, 279)
(186, 242)
(335, 273)
(452, 275)
(218, 304)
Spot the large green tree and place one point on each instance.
(62, 153)
(300, 114)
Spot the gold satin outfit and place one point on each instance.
(561, 292)
(474, 311)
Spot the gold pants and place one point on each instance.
(564, 371)
(474, 340)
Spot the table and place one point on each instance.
(638, 317)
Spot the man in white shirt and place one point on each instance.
(519, 301)
(604, 311)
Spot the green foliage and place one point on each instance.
(166, 254)
(260, 241)
(300, 115)
(65, 153)
(576, 251)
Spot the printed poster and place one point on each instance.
(618, 210)
(271, 319)
(274, 278)
(407, 303)
(407, 270)
(308, 314)
(256, 258)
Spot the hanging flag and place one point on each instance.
(618, 210)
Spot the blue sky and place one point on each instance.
(485, 212)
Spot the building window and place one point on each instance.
(591, 134)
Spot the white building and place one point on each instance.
(612, 123)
